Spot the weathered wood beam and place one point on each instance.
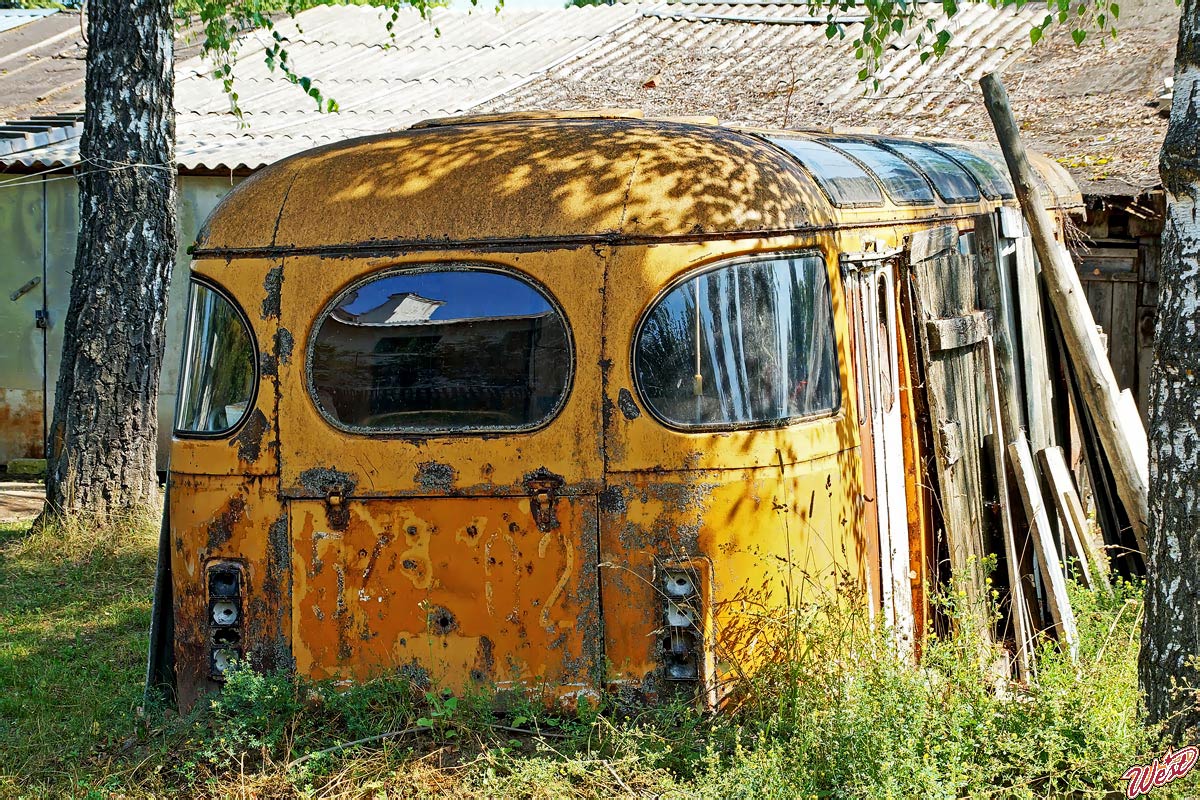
(1043, 543)
(1096, 381)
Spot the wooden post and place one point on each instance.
(1096, 381)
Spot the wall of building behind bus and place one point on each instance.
(39, 223)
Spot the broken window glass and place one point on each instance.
(218, 376)
(747, 343)
(843, 179)
(441, 350)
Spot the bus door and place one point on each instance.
(871, 290)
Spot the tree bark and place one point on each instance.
(1168, 669)
(103, 438)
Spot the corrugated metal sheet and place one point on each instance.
(756, 63)
(780, 70)
(442, 66)
(15, 17)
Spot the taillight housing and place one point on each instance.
(226, 582)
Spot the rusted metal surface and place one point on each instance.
(601, 549)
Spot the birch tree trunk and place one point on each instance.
(103, 438)
(1169, 672)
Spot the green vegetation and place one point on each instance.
(840, 715)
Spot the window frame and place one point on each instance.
(251, 403)
(424, 267)
(726, 427)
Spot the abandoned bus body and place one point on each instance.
(560, 401)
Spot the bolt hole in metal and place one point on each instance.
(224, 613)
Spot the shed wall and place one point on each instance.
(39, 223)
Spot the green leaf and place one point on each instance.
(1114, 9)
(1078, 36)
(425, 722)
(1035, 34)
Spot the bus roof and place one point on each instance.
(527, 180)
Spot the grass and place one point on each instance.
(838, 715)
(74, 616)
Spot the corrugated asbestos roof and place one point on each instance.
(14, 17)
(380, 83)
(757, 63)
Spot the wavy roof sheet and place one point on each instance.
(431, 68)
(756, 63)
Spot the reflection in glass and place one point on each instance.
(846, 183)
(218, 365)
(903, 182)
(441, 350)
(992, 180)
(750, 342)
(951, 181)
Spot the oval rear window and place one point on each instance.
(445, 350)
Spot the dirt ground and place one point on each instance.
(20, 500)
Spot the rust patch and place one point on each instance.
(220, 530)
(440, 621)
(543, 485)
(273, 285)
(435, 477)
(628, 408)
(612, 500)
(283, 345)
(485, 661)
(249, 439)
(415, 674)
(329, 483)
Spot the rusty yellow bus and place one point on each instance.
(570, 401)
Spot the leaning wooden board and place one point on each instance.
(952, 340)
(1043, 543)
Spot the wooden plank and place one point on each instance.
(1097, 383)
(1060, 484)
(944, 286)
(1039, 399)
(961, 331)
(1130, 422)
(1043, 542)
(1145, 358)
(995, 295)
(933, 242)
(1012, 558)
(1090, 556)
(1122, 334)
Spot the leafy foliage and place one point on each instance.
(884, 20)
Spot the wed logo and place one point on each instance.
(1172, 765)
